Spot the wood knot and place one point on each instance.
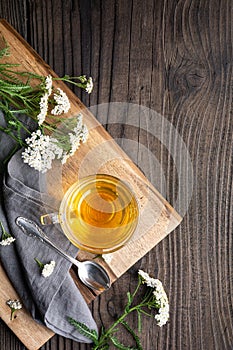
(111, 309)
(186, 77)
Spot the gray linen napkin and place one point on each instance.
(50, 300)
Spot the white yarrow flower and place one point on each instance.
(84, 134)
(89, 86)
(49, 84)
(150, 282)
(62, 103)
(41, 151)
(44, 101)
(76, 136)
(7, 239)
(160, 296)
(74, 142)
(143, 274)
(43, 108)
(65, 156)
(14, 305)
(48, 269)
(58, 151)
(162, 317)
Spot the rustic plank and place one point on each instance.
(23, 326)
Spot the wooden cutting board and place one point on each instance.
(157, 217)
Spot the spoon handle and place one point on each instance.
(30, 228)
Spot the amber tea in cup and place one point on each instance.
(98, 214)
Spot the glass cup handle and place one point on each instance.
(49, 219)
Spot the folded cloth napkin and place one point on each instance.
(53, 299)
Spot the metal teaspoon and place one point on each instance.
(90, 273)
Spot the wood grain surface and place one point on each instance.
(174, 57)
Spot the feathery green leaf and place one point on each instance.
(84, 330)
(121, 346)
(134, 335)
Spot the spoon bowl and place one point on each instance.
(92, 274)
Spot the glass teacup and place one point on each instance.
(98, 214)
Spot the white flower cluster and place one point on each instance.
(62, 103)
(60, 97)
(48, 269)
(43, 108)
(45, 100)
(14, 304)
(41, 151)
(160, 296)
(86, 83)
(49, 84)
(7, 241)
(79, 134)
(89, 86)
(163, 315)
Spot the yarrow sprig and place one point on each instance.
(14, 305)
(42, 149)
(154, 298)
(160, 297)
(26, 93)
(7, 239)
(46, 269)
(84, 82)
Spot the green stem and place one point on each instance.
(136, 289)
(2, 228)
(81, 85)
(145, 302)
(20, 123)
(10, 154)
(39, 263)
(9, 99)
(5, 235)
(12, 313)
(8, 132)
(110, 330)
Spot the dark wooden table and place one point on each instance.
(174, 57)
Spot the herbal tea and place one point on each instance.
(99, 214)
